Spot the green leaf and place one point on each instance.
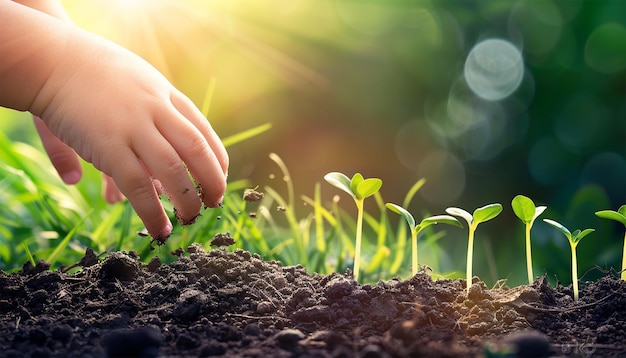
(559, 227)
(613, 215)
(622, 210)
(357, 179)
(443, 219)
(523, 207)
(339, 180)
(487, 212)
(461, 213)
(580, 234)
(538, 211)
(368, 187)
(404, 213)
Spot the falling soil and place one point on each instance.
(237, 305)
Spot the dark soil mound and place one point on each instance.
(235, 304)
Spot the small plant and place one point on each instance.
(525, 209)
(619, 216)
(359, 189)
(480, 215)
(415, 229)
(573, 238)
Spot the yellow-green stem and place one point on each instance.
(574, 272)
(470, 254)
(357, 246)
(624, 260)
(414, 251)
(529, 263)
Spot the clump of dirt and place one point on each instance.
(235, 304)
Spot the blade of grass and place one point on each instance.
(247, 134)
(29, 255)
(63, 243)
(208, 97)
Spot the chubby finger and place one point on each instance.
(63, 158)
(198, 155)
(111, 192)
(162, 161)
(186, 107)
(135, 183)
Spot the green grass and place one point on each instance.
(43, 219)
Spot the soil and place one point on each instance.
(237, 305)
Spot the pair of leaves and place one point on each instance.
(358, 187)
(525, 209)
(573, 237)
(444, 219)
(480, 215)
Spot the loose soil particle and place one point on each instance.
(235, 304)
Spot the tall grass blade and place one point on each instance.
(245, 135)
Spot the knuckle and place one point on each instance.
(174, 166)
(198, 147)
(141, 192)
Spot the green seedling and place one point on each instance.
(359, 189)
(415, 229)
(480, 215)
(619, 216)
(573, 238)
(525, 209)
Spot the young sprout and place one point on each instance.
(415, 229)
(480, 215)
(573, 238)
(619, 216)
(525, 209)
(359, 189)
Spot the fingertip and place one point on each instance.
(163, 235)
(72, 177)
(216, 196)
(166, 231)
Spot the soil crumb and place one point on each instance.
(252, 195)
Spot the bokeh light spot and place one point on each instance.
(605, 50)
(494, 69)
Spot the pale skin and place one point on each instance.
(100, 101)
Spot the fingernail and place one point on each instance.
(71, 177)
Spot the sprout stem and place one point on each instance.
(624, 260)
(357, 246)
(414, 251)
(574, 272)
(470, 255)
(529, 264)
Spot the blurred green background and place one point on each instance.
(393, 89)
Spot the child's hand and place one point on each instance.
(119, 113)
